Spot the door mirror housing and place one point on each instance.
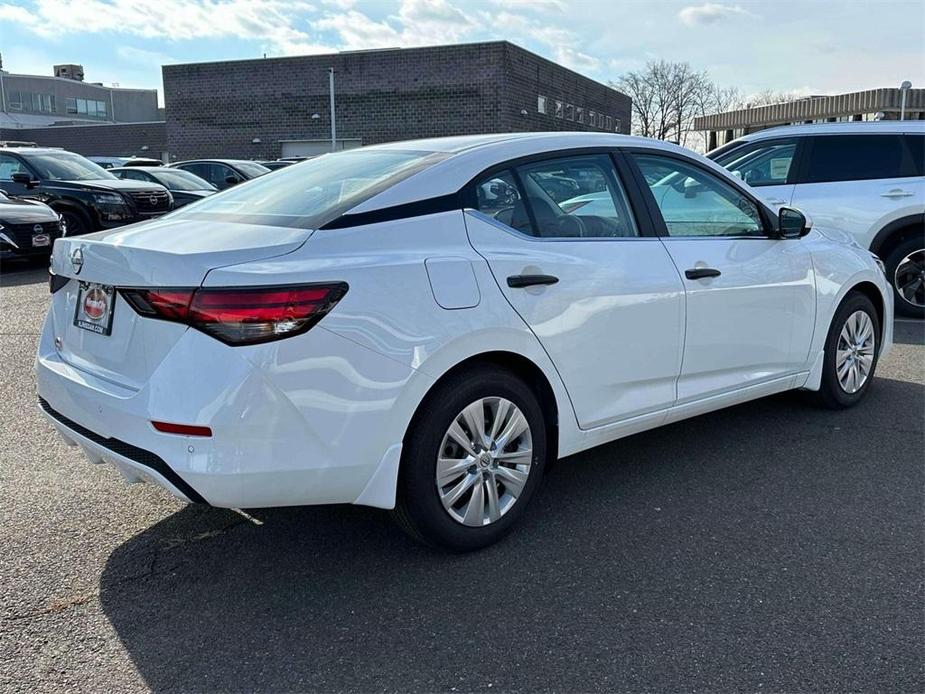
(792, 224)
(23, 179)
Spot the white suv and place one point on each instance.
(867, 179)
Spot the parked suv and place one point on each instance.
(27, 228)
(867, 179)
(86, 196)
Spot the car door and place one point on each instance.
(9, 165)
(767, 166)
(859, 183)
(589, 278)
(750, 297)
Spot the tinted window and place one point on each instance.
(760, 163)
(197, 169)
(134, 175)
(176, 179)
(499, 198)
(315, 192)
(915, 144)
(854, 158)
(252, 168)
(694, 202)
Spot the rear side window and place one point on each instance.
(915, 144)
(856, 158)
(312, 193)
(569, 197)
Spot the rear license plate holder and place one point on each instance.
(95, 304)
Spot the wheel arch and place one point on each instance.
(896, 232)
(66, 205)
(524, 368)
(872, 292)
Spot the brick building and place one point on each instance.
(267, 108)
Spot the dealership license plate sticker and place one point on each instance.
(39, 240)
(94, 307)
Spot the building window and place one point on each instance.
(569, 112)
(616, 125)
(15, 101)
(592, 119)
(70, 104)
(609, 125)
(560, 109)
(580, 114)
(541, 104)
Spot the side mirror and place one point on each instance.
(792, 224)
(23, 179)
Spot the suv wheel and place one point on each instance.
(905, 268)
(75, 223)
(472, 460)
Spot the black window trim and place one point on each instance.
(768, 218)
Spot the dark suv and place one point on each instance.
(86, 196)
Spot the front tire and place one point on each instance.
(905, 268)
(851, 351)
(472, 460)
(75, 223)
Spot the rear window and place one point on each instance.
(312, 193)
(856, 158)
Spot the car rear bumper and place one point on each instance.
(309, 420)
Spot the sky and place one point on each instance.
(809, 47)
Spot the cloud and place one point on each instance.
(142, 57)
(271, 21)
(710, 13)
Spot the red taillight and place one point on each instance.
(240, 316)
(183, 429)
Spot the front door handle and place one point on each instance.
(896, 193)
(777, 201)
(699, 273)
(520, 281)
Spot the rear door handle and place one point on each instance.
(520, 281)
(896, 193)
(699, 273)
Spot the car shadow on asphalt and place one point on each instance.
(909, 332)
(745, 547)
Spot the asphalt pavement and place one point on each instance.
(771, 546)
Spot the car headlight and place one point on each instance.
(109, 199)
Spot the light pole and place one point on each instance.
(333, 119)
(903, 90)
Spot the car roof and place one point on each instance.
(217, 161)
(849, 127)
(35, 150)
(470, 155)
(151, 169)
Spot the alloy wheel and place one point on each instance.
(484, 461)
(854, 355)
(909, 278)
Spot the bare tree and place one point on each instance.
(668, 96)
(769, 96)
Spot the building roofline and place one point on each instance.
(885, 99)
(5, 74)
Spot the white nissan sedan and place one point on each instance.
(423, 326)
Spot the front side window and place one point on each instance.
(855, 158)
(10, 165)
(694, 202)
(761, 163)
(314, 192)
(570, 197)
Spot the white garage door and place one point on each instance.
(308, 148)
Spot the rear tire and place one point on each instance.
(502, 473)
(853, 338)
(905, 269)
